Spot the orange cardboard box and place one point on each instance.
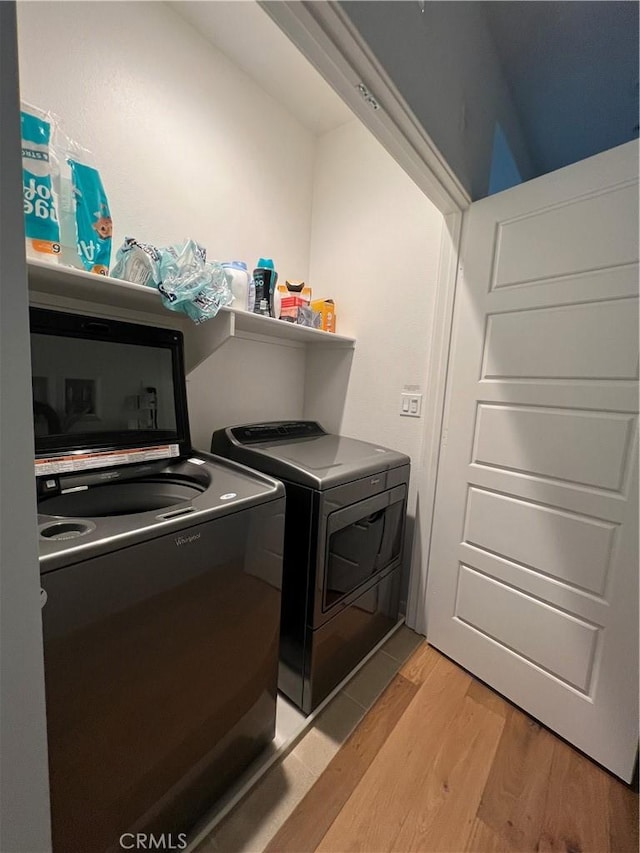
(327, 310)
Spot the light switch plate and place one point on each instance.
(410, 405)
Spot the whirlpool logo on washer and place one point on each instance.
(187, 540)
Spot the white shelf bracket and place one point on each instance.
(204, 339)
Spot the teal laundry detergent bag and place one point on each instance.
(39, 186)
(92, 217)
(66, 212)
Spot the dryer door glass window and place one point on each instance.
(362, 541)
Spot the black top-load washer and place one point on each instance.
(344, 535)
(161, 573)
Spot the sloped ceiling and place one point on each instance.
(572, 68)
(246, 35)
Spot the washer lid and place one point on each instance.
(105, 514)
(320, 460)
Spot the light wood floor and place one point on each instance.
(441, 763)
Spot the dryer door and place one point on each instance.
(363, 542)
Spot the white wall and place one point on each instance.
(24, 793)
(187, 145)
(443, 61)
(375, 248)
(245, 381)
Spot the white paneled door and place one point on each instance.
(533, 572)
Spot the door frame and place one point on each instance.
(325, 36)
(24, 774)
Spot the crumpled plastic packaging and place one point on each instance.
(186, 280)
(138, 262)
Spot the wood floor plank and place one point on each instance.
(443, 810)
(313, 816)
(484, 840)
(441, 763)
(514, 799)
(420, 664)
(479, 692)
(623, 818)
(373, 816)
(577, 808)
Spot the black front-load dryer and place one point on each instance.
(344, 533)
